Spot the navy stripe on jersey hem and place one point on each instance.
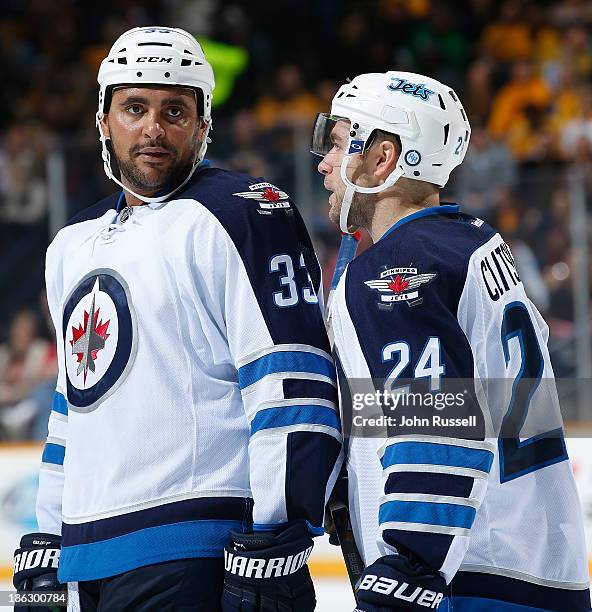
(203, 508)
(278, 527)
(476, 604)
(179, 541)
(491, 586)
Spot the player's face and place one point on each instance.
(330, 168)
(155, 132)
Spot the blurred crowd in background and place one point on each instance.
(523, 70)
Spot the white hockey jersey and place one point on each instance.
(490, 502)
(196, 392)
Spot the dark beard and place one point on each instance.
(140, 182)
(362, 210)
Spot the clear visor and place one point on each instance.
(329, 133)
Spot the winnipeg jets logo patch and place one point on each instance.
(99, 330)
(268, 196)
(400, 285)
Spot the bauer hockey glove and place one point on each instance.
(267, 572)
(393, 583)
(36, 567)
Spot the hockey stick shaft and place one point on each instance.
(349, 549)
(347, 251)
(339, 511)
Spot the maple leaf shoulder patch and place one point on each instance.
(268, 196)
(400, 285)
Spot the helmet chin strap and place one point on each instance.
(345, 206)
(351, 189)
(147, 199)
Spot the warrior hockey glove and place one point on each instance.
(267, 572)
(36, 566)
(393, 583)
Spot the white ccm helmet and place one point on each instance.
(155, 56)
(425, 114)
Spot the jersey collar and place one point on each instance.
(424, 212)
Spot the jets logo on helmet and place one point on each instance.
(413, 89)
(156, 56)
(425, 114)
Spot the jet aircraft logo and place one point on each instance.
(400, 285)
(268, 196)
(89, 339)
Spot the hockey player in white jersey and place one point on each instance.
(484, 518)
(194, 435)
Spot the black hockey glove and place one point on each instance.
(36, 568)
(393, 583)
(267, 572)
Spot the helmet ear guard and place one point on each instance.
(155, 56)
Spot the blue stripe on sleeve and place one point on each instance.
(53, 453)
(429, 513)
(294, 415)
(437, 454)
(284, 361)
(59, 403)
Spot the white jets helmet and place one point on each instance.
(425, 114)
(155, 56)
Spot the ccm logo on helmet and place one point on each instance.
(387, 586)
(153, 59)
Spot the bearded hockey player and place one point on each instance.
(483, 517)
(194, 433)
